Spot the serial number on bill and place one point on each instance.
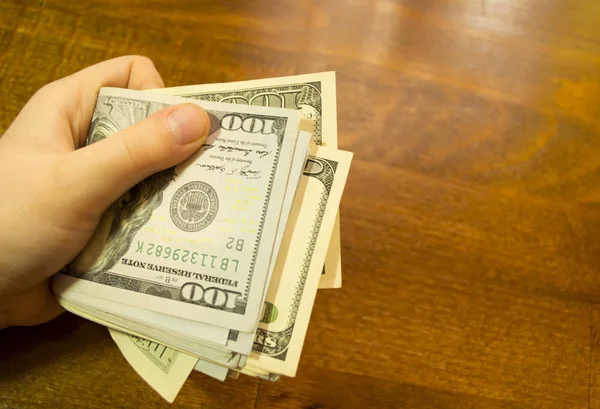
(187, 256)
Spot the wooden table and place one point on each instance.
(471, 218)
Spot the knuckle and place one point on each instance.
(48, 90)
(142, 61)
(147, 144)
(161, 139)
(133, 155)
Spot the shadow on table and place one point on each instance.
(26, 348)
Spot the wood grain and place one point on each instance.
(471, 218)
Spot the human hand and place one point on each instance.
(54, 190)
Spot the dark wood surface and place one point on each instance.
(471, 218)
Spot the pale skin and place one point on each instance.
(54, 189)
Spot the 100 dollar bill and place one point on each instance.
(164, 368)
(314, 95)
(290, 298)
(291, 293)
(194, 241)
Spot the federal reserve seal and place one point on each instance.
(194, 206)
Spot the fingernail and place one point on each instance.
(188, 123)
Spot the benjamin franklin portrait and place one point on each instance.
(122, 219)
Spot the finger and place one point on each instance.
(132, 71)
(135, 72)
(141, 77)
(67, 105)
(100, 173)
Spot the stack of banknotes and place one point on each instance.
(214, 264)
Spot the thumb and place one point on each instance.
(115, 164)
